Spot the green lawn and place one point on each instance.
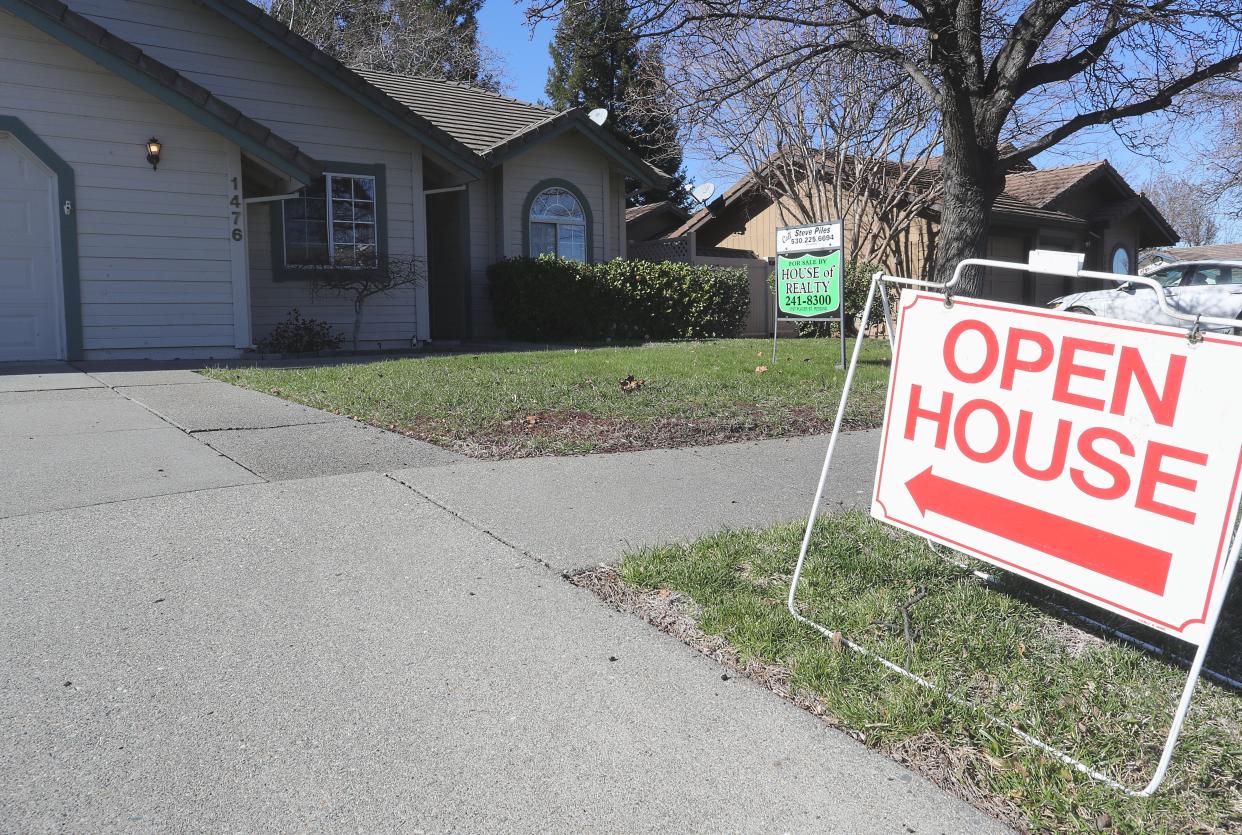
(1107, 703)
(510, 405)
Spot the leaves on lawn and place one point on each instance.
(632, 384)
(759, 369)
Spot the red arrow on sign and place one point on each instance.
(1114, 556)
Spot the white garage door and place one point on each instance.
(30, 284)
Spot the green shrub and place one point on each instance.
(550, 299)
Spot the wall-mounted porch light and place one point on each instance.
(154, 146)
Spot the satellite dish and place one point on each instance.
(704, 192)
(599, 115)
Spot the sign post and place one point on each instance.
(1100, 458)
(810, 277)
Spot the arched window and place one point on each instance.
(1120, 262)
(558, 225)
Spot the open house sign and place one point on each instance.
(1099, 457)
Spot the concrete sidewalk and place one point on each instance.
(366, 651)
(581, 511)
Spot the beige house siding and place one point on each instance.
(324, 123)
(155, 257)
(567, 157)
(754, 229)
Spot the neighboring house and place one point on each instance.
(1086, 208)
(275, 160)
(1209, 252)
(653, 220)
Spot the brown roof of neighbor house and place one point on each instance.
(1042, 187)
(1209, 252)
(79, 32)
(635, 212)
(1027, 198)
(479, 119)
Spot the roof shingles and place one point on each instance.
(479, 119)
(1042, 187)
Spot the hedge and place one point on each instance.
(554, 300)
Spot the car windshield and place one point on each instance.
(1167, 278)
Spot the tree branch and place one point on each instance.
(1157, 101)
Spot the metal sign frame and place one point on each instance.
(776, 283)
(1216, 604)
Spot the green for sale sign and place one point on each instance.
(808, 285)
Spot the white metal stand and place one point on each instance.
(1214, 609)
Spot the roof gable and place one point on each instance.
(499, 127)
(332, 72)
(166, 84)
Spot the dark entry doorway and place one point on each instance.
(448, 262)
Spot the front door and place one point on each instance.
(31, 323)
(447, 244)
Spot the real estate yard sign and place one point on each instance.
(1100, 458)
(809, 277)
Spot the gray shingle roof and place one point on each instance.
(496, 126)
(479, 119)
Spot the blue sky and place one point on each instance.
(504, 29)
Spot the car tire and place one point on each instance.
(1084, 310)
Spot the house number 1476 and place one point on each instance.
(235, 211)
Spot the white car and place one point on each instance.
(1208, 288)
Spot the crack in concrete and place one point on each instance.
(189, 434)
(471, 522)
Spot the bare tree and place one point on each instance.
(1223, 162)
(409, 37)
(387, 274)
(1189, 206)
(853, 143)
(1032, 73)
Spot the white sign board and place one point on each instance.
(1098, 457)
(810, 238)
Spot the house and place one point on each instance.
(1087, 208)
(268, 160)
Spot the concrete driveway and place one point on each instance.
(224, 612)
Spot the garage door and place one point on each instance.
(30, 285)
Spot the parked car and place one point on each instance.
(1208, 288)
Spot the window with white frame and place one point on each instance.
(332, 223)
(558, 225)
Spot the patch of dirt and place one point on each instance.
(952, 769)
(566, 432)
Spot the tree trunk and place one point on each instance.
(972, 182)
(357, 321)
